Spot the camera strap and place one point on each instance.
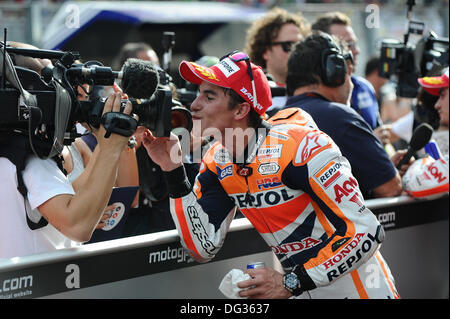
(12, 77)
(63, 107)
(17, 149)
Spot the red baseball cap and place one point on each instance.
(432, 84)
(234, 71)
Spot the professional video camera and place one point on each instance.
(44, 108)
(405, 63)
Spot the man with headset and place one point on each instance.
(319, 82)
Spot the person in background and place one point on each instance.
(429, 175)
(325, 97)
(268, 43)
(438, 86)
(371, 74)
(138, 50)
(363, 98)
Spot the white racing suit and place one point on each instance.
(301, 197)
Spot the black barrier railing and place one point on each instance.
(122, 259)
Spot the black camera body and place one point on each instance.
(405, 63)
(408, 63)
(58, 87)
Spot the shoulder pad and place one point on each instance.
(311, 144)
(293, 115)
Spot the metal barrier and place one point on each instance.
(156, 266)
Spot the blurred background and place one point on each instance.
(98, 29)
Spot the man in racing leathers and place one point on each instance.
(288, 178)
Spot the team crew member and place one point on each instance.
(319, 83)
(363, 98)
(289, 179)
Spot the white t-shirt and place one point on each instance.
(403, 127)
(43, 180)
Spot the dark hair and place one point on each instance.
(424, 111)
(262, 32)
(305, 62)
(130, 50)
(324, 22)
(372, 65)
(254, 119)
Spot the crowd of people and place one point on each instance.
(308, 146)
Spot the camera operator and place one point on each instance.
(325, 96)
(51, 199)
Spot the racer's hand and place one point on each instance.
(164, 151)
(266, 283)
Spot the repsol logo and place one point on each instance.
(330, 175)
(16, 283)
(352, 253)
(199, 230)
(262, 199)
(178, 254)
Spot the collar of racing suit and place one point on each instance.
(253, 145)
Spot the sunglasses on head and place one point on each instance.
(285, 45)
(237, 56)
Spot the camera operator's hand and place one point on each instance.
(164, 151)
(113, 104)
(34, 64)
(76, 216)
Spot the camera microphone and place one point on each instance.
(139, 79)
(421, 136)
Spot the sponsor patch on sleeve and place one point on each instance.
(329, 174)
(311, 144)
